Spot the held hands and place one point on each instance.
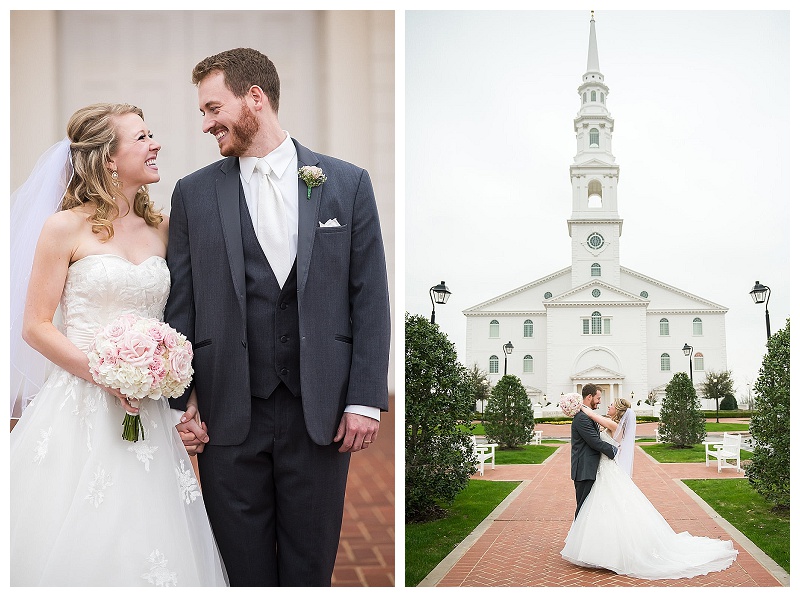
(356, 432)
(193, 432)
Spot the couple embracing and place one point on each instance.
(271, 264)
(615, 526)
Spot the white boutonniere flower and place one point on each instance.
(313, 176)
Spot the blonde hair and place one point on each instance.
(93, 136)
(621, 405)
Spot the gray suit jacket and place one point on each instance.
(343, 298)
(587, 447)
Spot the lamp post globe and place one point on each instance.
(507, 348)
(761, 294)
(439, 295)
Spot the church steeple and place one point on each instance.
(594, 226)
(593, 63)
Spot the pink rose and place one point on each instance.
(180, 361)
(116, 330)
(156, 333)
(170, 339)
(137, 349)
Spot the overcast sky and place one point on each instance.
(700, 102)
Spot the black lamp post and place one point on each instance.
(439, 294)
(687, 351)
(507, 348)
(760, 294)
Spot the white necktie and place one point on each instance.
(271, 228)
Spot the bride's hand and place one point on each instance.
(131, 405)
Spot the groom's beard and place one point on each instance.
(242, 133)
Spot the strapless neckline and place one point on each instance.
(97, 255)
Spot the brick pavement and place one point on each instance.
(367, 542)
(519, 544)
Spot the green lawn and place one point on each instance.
(666, 453)
(428, 543)
(720, 427)
(738, 503)
(523, 455)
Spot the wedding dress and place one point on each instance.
(617, 528)
(88, 507)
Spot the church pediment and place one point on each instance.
(605, 294)
(597, 373)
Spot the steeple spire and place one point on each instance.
(593, 63)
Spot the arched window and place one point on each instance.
(584, 97)
(527, 329)
(697, 326)
(594, 96)
(597, 323)
(595, 269)
(663, 328)
(699, 361)
(595, 193)
(527, 364)
(665, 362)
(594, 138)
(494, 329)
(602, 98)
(494, 364)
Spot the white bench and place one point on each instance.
(536, 440)
(483, 452)
(729, 449)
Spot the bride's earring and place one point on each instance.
(115, 178)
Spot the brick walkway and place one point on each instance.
(519, 544)
(366, 547)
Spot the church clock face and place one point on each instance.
(595, 241)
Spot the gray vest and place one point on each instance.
(273, 326)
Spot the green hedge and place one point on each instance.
(729, 414)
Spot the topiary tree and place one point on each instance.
(480, 384)
(509, 417)
(438, 398)
(717, 385)
(729, 403)
(681, 422)
(769, 426)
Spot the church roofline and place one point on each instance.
(602, 284)
(635, 274)
(527, 286)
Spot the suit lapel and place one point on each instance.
(227, 187)
(308, 216)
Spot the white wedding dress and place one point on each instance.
(89, 508)
(617, 528)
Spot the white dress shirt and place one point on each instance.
(283, 162)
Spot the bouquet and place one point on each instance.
(570, 404)
(142, 358)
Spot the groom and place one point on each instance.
(288, 312)
(587, 446)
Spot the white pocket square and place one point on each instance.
(329, 223)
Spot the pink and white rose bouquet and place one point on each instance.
(570, 404)
(142, 358)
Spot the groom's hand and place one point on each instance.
(356, 432)
(193, 432)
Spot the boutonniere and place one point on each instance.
(313, 176)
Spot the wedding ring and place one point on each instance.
(366, 442)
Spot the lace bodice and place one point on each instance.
(99, 288)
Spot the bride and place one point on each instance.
(618, 528)
(88, 507)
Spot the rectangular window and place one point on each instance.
(606, 325)
(586, 327)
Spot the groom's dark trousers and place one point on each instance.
(585, 455)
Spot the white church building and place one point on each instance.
(596, 321)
